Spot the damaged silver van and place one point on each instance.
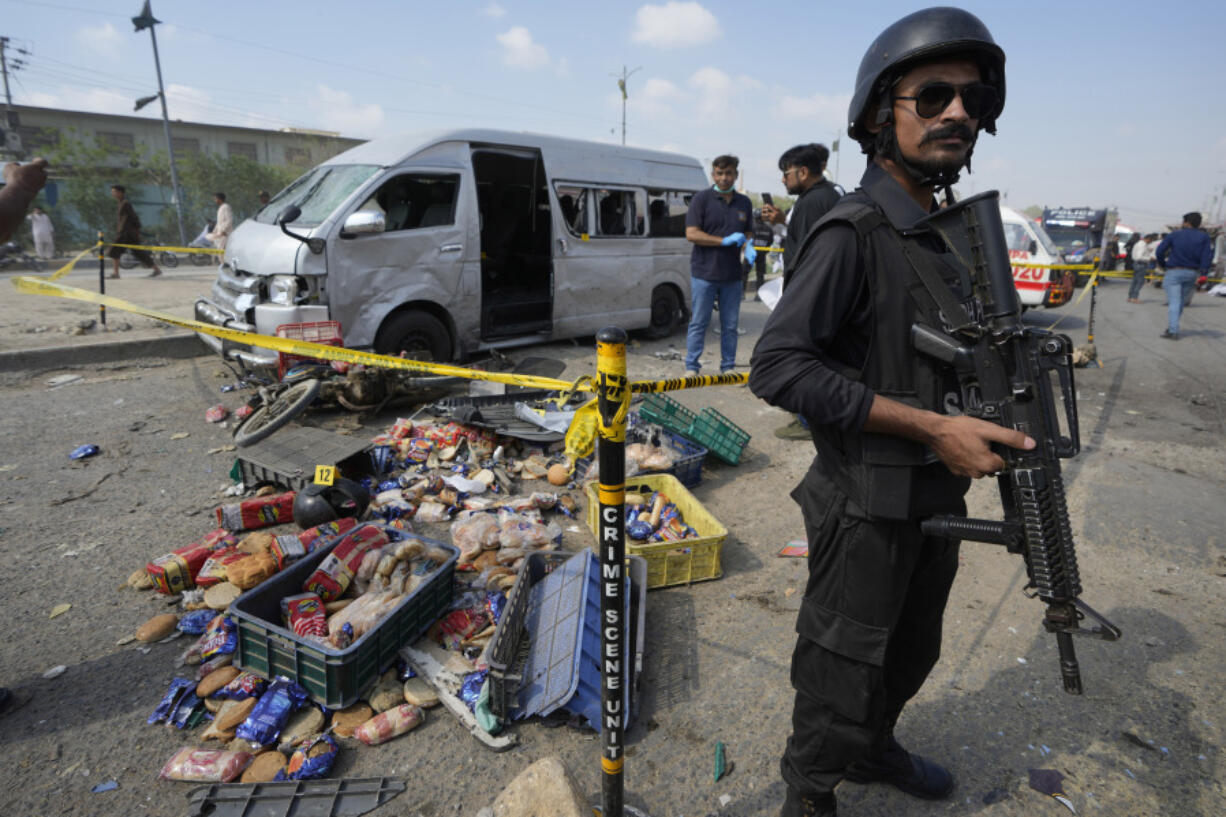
(468, 240)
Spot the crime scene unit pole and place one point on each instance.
(101, 277)
(613, 401)
(1093, 300)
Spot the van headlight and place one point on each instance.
(283, 289)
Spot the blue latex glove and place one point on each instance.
(750, 253)
(735, 238)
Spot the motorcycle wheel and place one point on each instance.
(168, 259)
(33, 262)
(127, 261)
(200, 259)
(285, 406)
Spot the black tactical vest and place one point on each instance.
(880, 472)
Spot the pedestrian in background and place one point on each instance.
(802, 168)
(225, 222)
(127, 231)
(718, 224)
(764, 237)
(1185, 254)
(44, 234)
(1141, 255)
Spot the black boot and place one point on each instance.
(809, 805)
(903, 770)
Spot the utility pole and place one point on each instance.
(621, 84)
(10, 141)
(143, 21)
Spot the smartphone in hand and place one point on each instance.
(767, 198)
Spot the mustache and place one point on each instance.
(954, 129)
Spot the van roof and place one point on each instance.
(570, 159)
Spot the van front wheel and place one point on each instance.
(666, 312)
(418, 334)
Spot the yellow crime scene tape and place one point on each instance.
(189, 250)
(34, 285)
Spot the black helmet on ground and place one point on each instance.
(931, 34)
(317, 504)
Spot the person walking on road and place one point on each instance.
(44, 234)
(718, 224)
(891, 448)
(127, 231)
(1185, 254)
(802, 168)
(1142, 255)
(225, 222)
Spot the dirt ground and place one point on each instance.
(1145, 497)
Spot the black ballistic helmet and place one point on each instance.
(928, 34)
(317, 504)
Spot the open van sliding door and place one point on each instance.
(516, 243)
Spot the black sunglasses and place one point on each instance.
(979, 99)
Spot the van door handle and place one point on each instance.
(562, 245)
(451, 248)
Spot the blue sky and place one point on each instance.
(1108, 104)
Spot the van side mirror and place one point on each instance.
(363, 224)
(315, 245)
(1033, 249)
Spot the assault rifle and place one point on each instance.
(1009, 374)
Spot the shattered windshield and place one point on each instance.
(318, 193)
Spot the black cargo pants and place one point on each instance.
(869, 632)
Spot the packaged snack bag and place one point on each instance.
(205, 765)
(305, 614)
(259, 512)
(289, 547)
(176, 571)
(336, 571)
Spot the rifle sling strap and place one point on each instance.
(955, 314)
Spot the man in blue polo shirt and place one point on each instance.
(1186, 254)
(718, 221)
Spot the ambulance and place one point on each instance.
(1033, 253)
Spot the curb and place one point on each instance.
(185, 345)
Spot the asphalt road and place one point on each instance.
(1145, 496)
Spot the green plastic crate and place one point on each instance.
(719, 435)
(665, 411)
(710, 429)
(334, 678)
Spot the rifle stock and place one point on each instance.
(1010, 374)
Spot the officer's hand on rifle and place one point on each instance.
(964, 444)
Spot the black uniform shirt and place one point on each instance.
(825, 317)
(808, 209)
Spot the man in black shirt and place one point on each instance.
(802, 168)
(892, 447)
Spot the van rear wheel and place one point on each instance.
(666, 312)
(418, 334)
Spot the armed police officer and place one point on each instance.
(892, 447)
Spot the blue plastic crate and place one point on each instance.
(559, 666)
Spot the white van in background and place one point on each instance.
(467, 240)
(1029, 244)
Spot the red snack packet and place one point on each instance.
(260, 512)
(176, 571)
(205, 765)
(305, 614)
(290, 547)
(335, 572)
(217, 413)
(458, 625)
(214, 569)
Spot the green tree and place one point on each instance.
(203, 174)
(1034, 211)
(84, 205)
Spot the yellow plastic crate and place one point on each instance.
(671, 563)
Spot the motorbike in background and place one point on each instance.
(12, 255)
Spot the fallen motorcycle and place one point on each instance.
(358, 388)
